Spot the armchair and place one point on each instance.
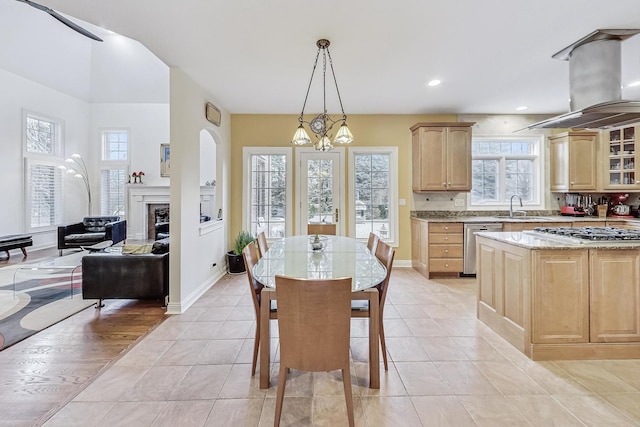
(92, 230)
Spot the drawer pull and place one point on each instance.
(446, 238)
(446, 251)
(446, 265)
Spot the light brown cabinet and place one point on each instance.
(573, 161)
(615, 295)
(620, 162)
(436, 247)
(441, 156)
(561, 303)
(445, 247)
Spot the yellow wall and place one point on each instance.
(268, 130)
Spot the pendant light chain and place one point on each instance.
(309, 87)
(335, 81)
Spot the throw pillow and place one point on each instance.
(136, 249)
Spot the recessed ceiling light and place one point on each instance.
(435, 82)
(634, 84)
(521, 108)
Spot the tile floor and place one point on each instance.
(446, 369)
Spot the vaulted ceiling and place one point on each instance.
(492, 56)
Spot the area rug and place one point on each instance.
(42, 298)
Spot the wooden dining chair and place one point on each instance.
(262, 243)
(315, 327)
(250, 256)
(360, 308)
(328, 229)
(372, 243)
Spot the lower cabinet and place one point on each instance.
(437, 247)
(561, 303)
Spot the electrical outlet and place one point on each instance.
(458, 203)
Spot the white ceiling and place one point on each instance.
(256, 56)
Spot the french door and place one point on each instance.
(320, 190)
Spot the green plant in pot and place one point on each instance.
(234, 256)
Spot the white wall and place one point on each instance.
(193, 252)
(20, 94)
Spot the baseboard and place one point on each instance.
(402, 263)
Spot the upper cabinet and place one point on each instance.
(441, 156)
(573, 161)
(620, 170)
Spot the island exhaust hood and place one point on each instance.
(595, 83)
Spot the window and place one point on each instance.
(114, 172)
(504, 166)
(268, 192)
(43, 178)
(373, 183)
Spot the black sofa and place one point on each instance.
(92, 230)
(114, 275)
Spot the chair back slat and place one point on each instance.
(250, 256)
(262, 243)
(372, 243)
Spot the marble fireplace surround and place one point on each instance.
(141, 197)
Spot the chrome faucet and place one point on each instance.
(511, 211)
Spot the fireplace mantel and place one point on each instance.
(141, 196)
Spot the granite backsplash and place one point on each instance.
(456, 214)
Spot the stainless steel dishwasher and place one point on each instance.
(470, 243)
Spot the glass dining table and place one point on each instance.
(338, 256)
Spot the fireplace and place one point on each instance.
(156, 212)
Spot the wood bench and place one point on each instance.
(15, 241)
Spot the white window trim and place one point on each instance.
(59, 143)
(393, 189)
(302, 228)
(114, 164)
(247, 152)
(538, 171)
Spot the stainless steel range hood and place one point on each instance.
(595, 83)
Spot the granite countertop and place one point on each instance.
(492, 219)
(532, 240)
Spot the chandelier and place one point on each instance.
(322, 124)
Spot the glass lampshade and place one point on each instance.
(301, 137)
(324, 144)
(344, 135)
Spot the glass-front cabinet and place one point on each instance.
(620, 162)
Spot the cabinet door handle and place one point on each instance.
(446, 238)
(444, 184)
(446, 251)
(446, 265)
(446, 228)
(572, 182)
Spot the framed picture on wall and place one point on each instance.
(165, 160)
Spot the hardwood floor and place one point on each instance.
(43, 372)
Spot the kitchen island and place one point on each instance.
(556, 297)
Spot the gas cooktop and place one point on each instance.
(592, 233)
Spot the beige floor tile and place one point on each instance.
(243, 312)
(405, 349)
(456, 327)
(220, 352)
(201, 382)
(168, 331)
(465, 378)
(225, 300)
(543, 411)
(79, 414)
(394, 328)
(442, 411)
(425, 328)
(127, 414)
(438, 311)
(241, 385)
(493, 411)
(477, 348)
(234, 329)
(390, 411)
(443, 348)
(593, 411)
(390, 312)
(201, 331)
(627, 370)
(299, 383)
(422, 379)
(296, 411)
(182, 353)
(330, 384)
(184, 414)
(146, 353)
(112, 384)
(217, 314)
(390, 382)
(627, 403)
(158, 383)
(553, 379)
(594, 376)
(411, 311)
(191, 315)
(236, 412)
(508, 379)
(332, 411)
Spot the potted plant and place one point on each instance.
(234, 256)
